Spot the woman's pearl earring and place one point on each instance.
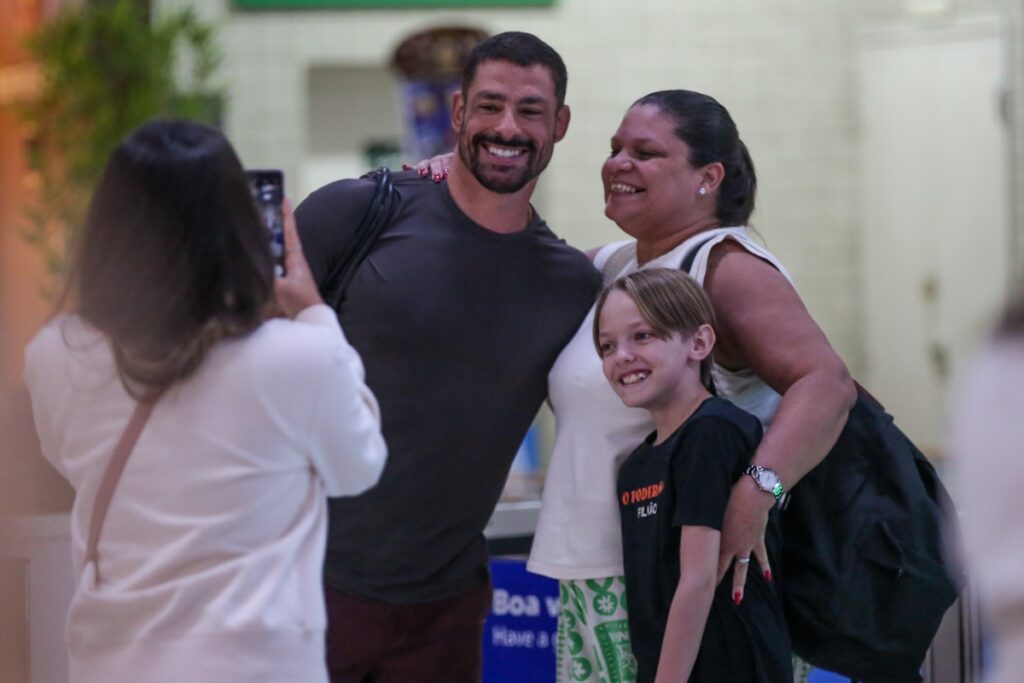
(702, 191)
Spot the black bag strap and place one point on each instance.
(685, 267)
(691, 256)
(378, 215)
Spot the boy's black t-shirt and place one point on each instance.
(686, 481)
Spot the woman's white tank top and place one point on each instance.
(577, 535)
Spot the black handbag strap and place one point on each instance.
(691, 255)
(685, 266)
(378, 215)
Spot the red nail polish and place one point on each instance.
(422, 172)
(768, 574)
(737, 598)
(437, 177)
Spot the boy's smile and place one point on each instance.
(634, 377)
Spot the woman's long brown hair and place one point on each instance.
(173, 256)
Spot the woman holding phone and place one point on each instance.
(208, 564)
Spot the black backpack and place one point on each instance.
(866, 576)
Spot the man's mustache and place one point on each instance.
(484, 138)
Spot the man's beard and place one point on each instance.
(500, 181)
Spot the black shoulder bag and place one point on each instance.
(866, 574)
(379, 214)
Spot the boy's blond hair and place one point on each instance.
(669, 301)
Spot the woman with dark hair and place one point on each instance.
(987, 439)
(209, 561)
(681, 183)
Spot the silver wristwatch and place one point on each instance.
(766, 479)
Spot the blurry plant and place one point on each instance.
(106, 68)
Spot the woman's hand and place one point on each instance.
(746, 518)
(295, 290)
(435, 167)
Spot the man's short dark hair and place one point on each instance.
(521, 49)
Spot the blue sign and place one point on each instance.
(822, 676)
(519, 636)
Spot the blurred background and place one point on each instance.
(888, 137)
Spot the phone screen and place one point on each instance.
(268, 190)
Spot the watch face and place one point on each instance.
(767, 479)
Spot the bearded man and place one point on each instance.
(458, 312)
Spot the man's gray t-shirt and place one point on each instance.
(457, 327)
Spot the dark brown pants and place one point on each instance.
(373, 642)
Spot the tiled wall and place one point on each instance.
(1015, 112)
